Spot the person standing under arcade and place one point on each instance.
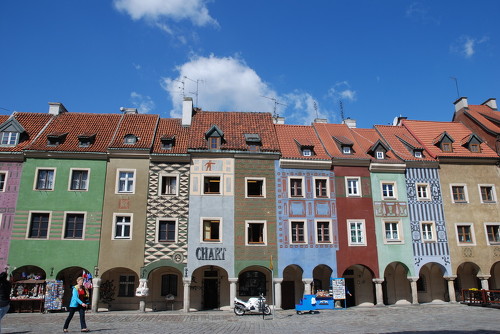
(79, 292)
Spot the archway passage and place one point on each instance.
(431, 286)
(467, 278)
(117, 291)
(166, 291)
(322, 274)
(494, 281)
(359, 285)
(68, 276)
(396, 287)
(292, 288)
(209, 288)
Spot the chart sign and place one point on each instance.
(338, 288)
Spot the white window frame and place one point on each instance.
(71, 170)
(303, 185)
(6, 173)
(399, 225)
(29, 225)
(202, 230)
(380, 155)
(362, 230)
(10, 135)
(486, 233)
(329, 221)
(220, 185)
(290, 231)
(493, 193)
(306, 152)
(125, 170)
(327, 186)
(432, 231)
(263, 179)
(37, 171)
(157, 234)
(160, 186)
(115, 223)
(66, 213)
(472, 235)
(394, 190)
(466, 193)
(427, 191)
(358, 182)
(346, 150)
(417, 154)
(264, 233)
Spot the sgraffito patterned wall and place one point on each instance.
(167, 206)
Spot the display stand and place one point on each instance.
(54, 292)
(28, 296)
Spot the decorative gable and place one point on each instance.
(444, 141)
(10, 132)
(378, 150)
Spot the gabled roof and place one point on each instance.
(11, 125)
(171, 129)
(467, 139)
(439, 138)
(484, 115)
(142, 126)
(76, 125)
(369, 139)
(32, 123)
(427, 132)
(330, 135)
(342, 140)
(292, 137)
(402, 143)
(233, 125)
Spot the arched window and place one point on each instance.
(252, 283)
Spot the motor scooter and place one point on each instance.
(254, 304)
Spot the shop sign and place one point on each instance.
(210, 254)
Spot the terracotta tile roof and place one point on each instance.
(367, 138)
(330, 133)
(75, 125)
(427, 132)
(402, 142)
(142, 126)
(292, 137)
(234, 125)
(171, 128)
(32, 123)
(486, 116)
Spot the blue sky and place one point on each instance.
(380, 58)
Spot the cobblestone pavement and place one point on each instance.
(437, 318)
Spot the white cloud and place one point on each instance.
(144, 104)
(224, 84)
(419, 12)
(177, 10)
(304, 108)
(342, 91)
(467, 46)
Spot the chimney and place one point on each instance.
(128, 110)
(187, 111)
(351, 123)
(320, 120)
(492, 103)
(279, 120)
(56, 108)
(398, 120)
(461, 103)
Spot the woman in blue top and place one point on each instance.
(79, 292)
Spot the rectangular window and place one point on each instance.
(3, 181)
(297, 231)
(388, 190)
(458, 193)
(356, 230)
(464, 234)
(487, 193)
(346, 149)
(9, 138)
(320, 188)
(380, 155)
(167, 231)
(169, 285)
(323, 232)
(428, 234)
(126, 181)
(392, 231)
(423, 192)
(211, 230)
(213, 143)
(39, 225)
(211, 185)
(296, 187)
(493, 233)
(446, 147)
(73, 228)
(45, 179)
(123, 226)
(353, 187)
(79, 179)
(475, 148)
(255, 187)
(168, 184)
(126, 286)
(256, 233)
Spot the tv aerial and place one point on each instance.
(276, 103)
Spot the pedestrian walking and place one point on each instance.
(79, 300)
(5, 288)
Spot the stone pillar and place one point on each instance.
(379, 295)
(277, 293)
(484, 281)
(451, 288)
(414, 291)
(142, 291)
(96, 285)
(307, 285)
(187, 290)
(232, 291)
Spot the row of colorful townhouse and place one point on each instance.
(189, 213)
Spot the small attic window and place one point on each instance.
(346, 150)
(214, 137)
(86, 140)
(475, 148)
(10, 132)
(9, 138)
(380, 155)
(417, 154)
(130, 139)
(55, 139)
(307, 152)
(253, 141)
(167, 142)
(446, 147)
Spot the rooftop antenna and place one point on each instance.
(275, 114)
(341, 106)
(195, 93)
(315, 105)
(456, 85)
(181, 87)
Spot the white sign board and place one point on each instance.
(338, 288)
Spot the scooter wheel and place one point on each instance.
(238, 310)
(267, 310)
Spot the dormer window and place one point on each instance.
(130, 139)
(214, 138)
(475, 148)
(55, 139)
(253, 141)
(10, 132)
(167, 142)
(214, 143)
(446, 147)
(346, 150)
(379, 155)
(417, 154)
(86, 139)
(9, 138)
(444, 142)
(473, 143)
(306, 152)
